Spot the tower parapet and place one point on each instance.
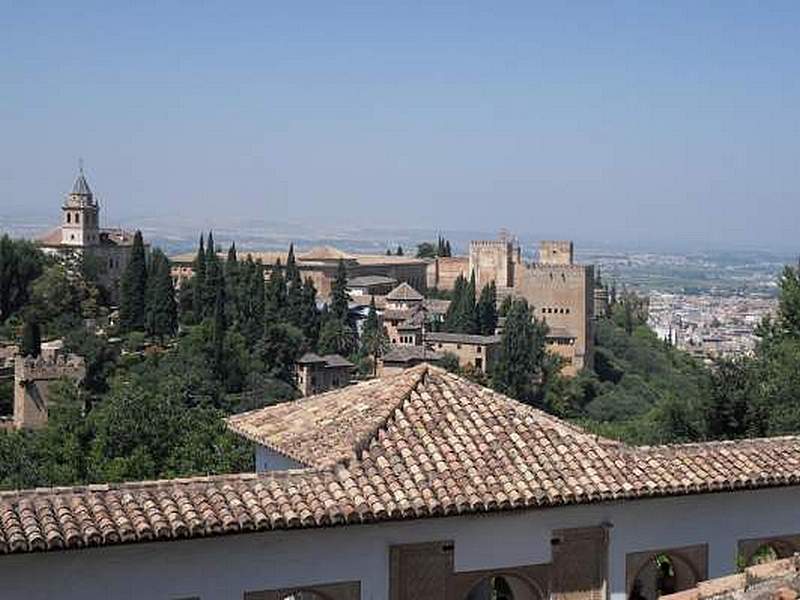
(556, 252)
(32, 380)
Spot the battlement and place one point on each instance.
(31, 369)
(556, 252)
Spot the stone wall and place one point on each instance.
(32, 380)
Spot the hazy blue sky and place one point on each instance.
(598, 120)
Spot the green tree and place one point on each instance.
(294, 290)
(279, 349)
(275, 307)
(21, 263)
(336, 337)
(339, 296)
(399, 251)
(31, 344)
(519, 367)
(199, 282)
(374, 339)
(161, 316)
(461, 316)
(233, 284)
(309, 319)
(424, 250)
(134, 288)
(486, 310)
(215, 279)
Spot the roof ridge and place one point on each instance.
(364, 444)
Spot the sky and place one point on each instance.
(605, 121)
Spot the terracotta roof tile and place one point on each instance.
(420, 444)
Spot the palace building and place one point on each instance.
(421, 485)
(80, 236)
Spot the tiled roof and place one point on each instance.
(369, 280)
(424, 443)
(51, 238)
(310, 358)
(396, 314)
(462, 338)
(405, 292)
(325, 253)
(776, 580)
(436, 306)
(336, 360)
(411, 354)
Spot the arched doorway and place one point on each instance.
(757, 551)
(503, 587)
(663, 572)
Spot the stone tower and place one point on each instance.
(555, 252)
(32, 380)
(494, 260)
(80, 225)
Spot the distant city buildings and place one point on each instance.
(707, 325)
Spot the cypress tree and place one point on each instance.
(218, 333)
(31, 344)
(214, 277)
(294, 290)
(232, 284)
(447, 251)
(162, 312)
(452, 316)
(199, 281)
(275, 305)
(399, 251)
(520, 361)
(486, 310)
(309, 315)
(252, 301)
(374, 340)
(134, 288)
(339, 296)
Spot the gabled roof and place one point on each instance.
(411, 354)
(325, 253)
(424, 443)
(334, 361)
(462, 338)
(328, 428)
(405, 292)
(310, 358)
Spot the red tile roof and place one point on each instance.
(423, 443)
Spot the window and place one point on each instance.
(479, 349)
(479, 363)
(77, 217)
(69, 217)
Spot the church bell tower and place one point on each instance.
(80, 225)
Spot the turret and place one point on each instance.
(81, 215)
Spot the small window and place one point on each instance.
(77, 217)
(479, 349)
(458, 346)
(69, 217)
(479, 363)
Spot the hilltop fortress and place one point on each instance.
(561, 292)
